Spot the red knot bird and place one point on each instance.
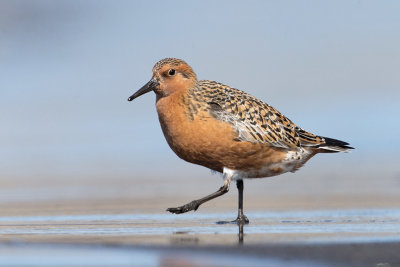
(227, 130)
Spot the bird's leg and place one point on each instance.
(241, 219)
(193, 205)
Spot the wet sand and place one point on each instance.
(125, 224)
(377, 254)
(316, 226)
(287, 238)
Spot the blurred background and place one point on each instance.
(68, 67)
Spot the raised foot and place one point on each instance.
(239, 220)
(194, 205)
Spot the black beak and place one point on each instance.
(151, 85)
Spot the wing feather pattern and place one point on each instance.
(255, 121)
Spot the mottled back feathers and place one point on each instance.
(253, 120)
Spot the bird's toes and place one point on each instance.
(175, 210)
(242, 220)
(194, 205)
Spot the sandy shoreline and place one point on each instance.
(306, 223)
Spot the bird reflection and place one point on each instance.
(241, 233)
(240, 225)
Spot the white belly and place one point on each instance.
(293, 161)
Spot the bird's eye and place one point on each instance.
(171, 72)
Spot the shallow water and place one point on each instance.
(297, 226)
(67, 255)
(95, 240)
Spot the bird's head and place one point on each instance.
(169, 76)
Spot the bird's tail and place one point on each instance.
(334, 145)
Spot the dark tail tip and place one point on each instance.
(337, 143)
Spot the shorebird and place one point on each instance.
(227, 130)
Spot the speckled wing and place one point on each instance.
(254, 120)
